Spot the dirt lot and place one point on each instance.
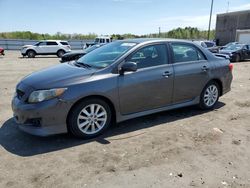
(178, 148)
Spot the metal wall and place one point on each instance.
(228, 23)
(16, 44)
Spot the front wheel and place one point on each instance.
(209, 96)
(31, 54)
(237, 59)
(89, 118)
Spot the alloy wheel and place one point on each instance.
(92, 119)
(211, 95)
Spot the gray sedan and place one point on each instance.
(122, 80)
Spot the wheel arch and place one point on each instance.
(61, 50)
(219, 82)
(31, 50)
(107, 100)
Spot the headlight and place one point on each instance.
(43, 95)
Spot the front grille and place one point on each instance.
(19, 93)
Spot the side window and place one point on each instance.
(51, 43)
(64, 43)
(209, 44)
(150, 56)
(185, 53)
(42, 44)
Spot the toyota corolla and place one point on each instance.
(119, 81)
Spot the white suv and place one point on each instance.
(48, 47)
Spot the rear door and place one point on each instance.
(52, 47)
(151, 86)
(191, 70)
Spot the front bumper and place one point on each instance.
(41, 119)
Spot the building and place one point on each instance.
(233, 26)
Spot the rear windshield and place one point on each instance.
(64, 43)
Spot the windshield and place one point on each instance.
(107, 54)
(234, 47)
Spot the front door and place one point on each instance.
(151, 86)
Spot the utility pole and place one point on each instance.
(159, 31)
(228, 6)
(210, 18)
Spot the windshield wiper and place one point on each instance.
(80, 64)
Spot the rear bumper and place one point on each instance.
(41, 119)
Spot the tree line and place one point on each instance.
(179, 33)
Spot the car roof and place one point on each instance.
(53, 41)
(149, 40)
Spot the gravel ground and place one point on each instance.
(180, 148)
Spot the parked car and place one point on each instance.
(210, 45)
(74, 55)
(229, 44)
(46, 47)
(119, 81)
(237, 52)
(99, 40)
(1, 51)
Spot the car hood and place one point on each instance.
(61, 75)
(26, 46)
(76, 52)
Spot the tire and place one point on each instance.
(60, 53)
(237, 58)
(83, 124)
(31, 53)
(209, 96)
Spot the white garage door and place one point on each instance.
(244, 38)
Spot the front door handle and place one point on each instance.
(204, 68)
(167, 74)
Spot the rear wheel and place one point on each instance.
(209, 96)
(60, 53)
(89, 118)
(31, 54)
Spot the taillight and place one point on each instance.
(231, 66)
(69, 46)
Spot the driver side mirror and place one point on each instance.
(128, 67)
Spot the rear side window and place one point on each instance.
(51, 43)
(209, 44)
(186, 53)
(150, 56)
(64, 43)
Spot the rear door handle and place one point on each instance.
(167, 74)
(204, 68)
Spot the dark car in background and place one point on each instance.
(236, 51)
(119, 81)
(1, 51)
(76, 54)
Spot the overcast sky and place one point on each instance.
(110, 16)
